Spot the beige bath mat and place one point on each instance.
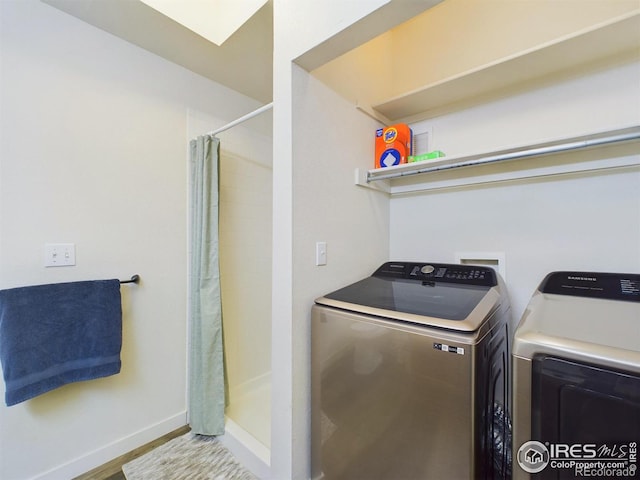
(189, 457)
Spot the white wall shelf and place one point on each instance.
(612, 41)
(381, 178)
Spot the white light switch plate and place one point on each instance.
(59, 254)
(321, 253)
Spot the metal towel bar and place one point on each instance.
(134, 279)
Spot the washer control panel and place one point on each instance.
(439, 272)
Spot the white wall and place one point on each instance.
(328, 207)
(245, 265)
(577, 221)
(94, 152)
(308, 23)
(298, 27)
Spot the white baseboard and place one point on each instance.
(247, 450)
(252, 454)
(114, 449)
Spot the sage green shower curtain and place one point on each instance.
(207, 385)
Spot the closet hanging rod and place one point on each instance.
(133, 279)
(569, 144)
(244, 118)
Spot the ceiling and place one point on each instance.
(215, 20)
(244, 62)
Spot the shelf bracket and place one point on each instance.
(362, 180)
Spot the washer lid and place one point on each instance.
(449, 296)
(588, 321)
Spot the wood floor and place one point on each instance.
(113, 469)
(117, 476)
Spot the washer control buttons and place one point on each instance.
(466, 274)
(452, 273)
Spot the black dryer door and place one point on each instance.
(577, 404)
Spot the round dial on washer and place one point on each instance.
(427, 269)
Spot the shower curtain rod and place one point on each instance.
(244, 118)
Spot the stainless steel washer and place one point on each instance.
(576, 365)
(410, 376)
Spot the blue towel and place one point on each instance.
(55, 334)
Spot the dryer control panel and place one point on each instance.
(612, 286)
(439, 272)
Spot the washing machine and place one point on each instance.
(410, 376)
(576, 378)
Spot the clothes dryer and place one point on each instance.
(410, 375)
(576, 366)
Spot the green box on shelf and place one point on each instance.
(425, 156)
